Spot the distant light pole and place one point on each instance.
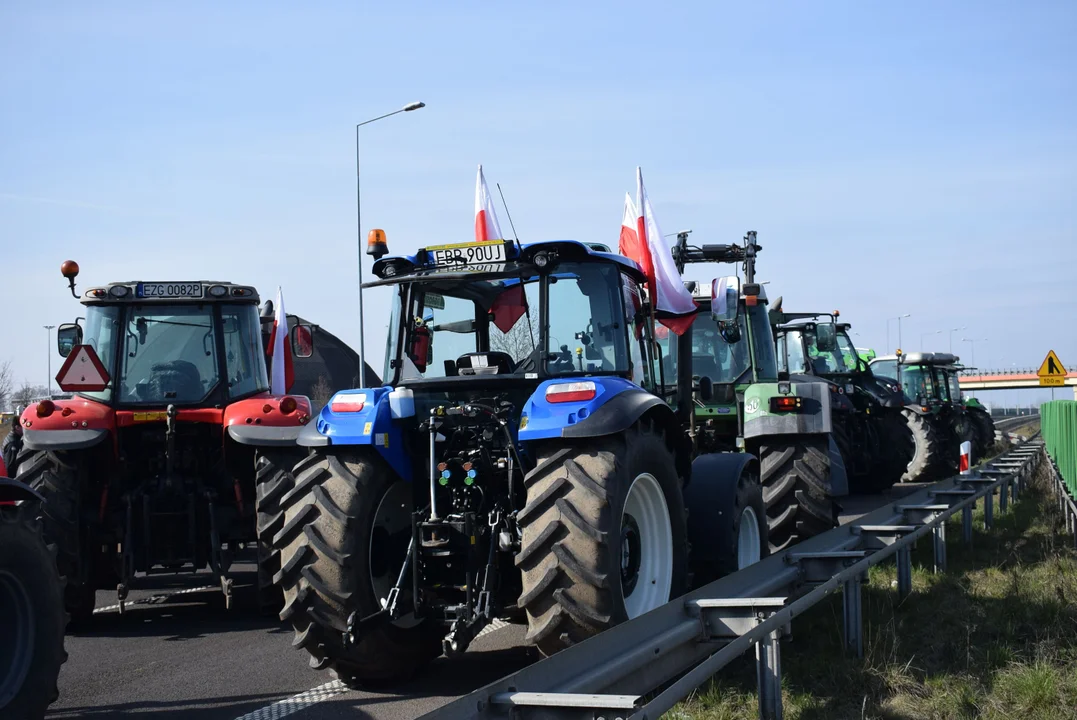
(359, 232)
(923, 335)
(898, 318)
(952, 331)
(48, 354)
(972, 342)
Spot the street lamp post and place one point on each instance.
(359, 231)
(922, 335)
(48, 354)
(952, 331)
(898, 318)
(972, 353)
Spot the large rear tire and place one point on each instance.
(604, 536)
(796, 484)
(57, 477)
(927, 455)
(272, 479)
(340, 541)
(985, 430)
(32, 616)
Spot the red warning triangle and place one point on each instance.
(82, 371)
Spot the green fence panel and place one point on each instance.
(1059, 427)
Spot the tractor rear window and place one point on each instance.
(169, 354)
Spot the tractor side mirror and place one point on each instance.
(302, 341)
(826, 337)
(68, 336)
(725, 297)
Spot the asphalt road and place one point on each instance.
(178, 653)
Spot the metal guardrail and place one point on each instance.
(1067, 505)
(642, 668)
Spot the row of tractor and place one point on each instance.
(540, 447)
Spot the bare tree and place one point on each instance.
(320, 394)
(27, 392)
(7, 383)
(517, 342)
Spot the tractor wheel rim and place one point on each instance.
(390, 534)
(17, 625)
(646, 547)
(748, 552)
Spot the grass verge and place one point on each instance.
(994, 638)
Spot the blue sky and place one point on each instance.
(905, 158)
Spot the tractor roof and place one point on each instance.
(920, 358)
(169, 292)
(491, 258)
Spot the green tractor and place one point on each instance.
(745, 405)
(939, 423)
(869, 427)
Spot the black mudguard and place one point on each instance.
(618, 414)
(710, 494)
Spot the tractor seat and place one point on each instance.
(175, 380)
(485, 363)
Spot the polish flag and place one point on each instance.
(486, 227)
(644, 243)
(280, 350)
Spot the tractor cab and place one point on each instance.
(921, 375)
(500, 315)
(188, 344)
(818, 344)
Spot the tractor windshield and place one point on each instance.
(495, 325)
(161, 354)
(918, 381)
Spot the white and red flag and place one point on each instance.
(280, 350)
(486, 227)
(641, 240)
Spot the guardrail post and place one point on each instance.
(1003, 495)
(854, 615)
(938, 534)
(904, 572)
(966, 524)
(989, 512)
(769, 675)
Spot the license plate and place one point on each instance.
(468, 254)
(169, 290)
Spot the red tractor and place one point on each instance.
(172, 454)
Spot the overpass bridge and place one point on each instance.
(1010, 379)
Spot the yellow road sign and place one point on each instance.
(1052, 372)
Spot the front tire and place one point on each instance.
(796, 489)
(725, 540)
(927, 453)
(334, 557)
(985, 430)
(57, 477)
(603, 536)
(32, 616)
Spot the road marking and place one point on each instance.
(303, 700)
(155, 598)
(296, 703)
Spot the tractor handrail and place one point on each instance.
(689, 639)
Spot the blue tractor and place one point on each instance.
(523, 460)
